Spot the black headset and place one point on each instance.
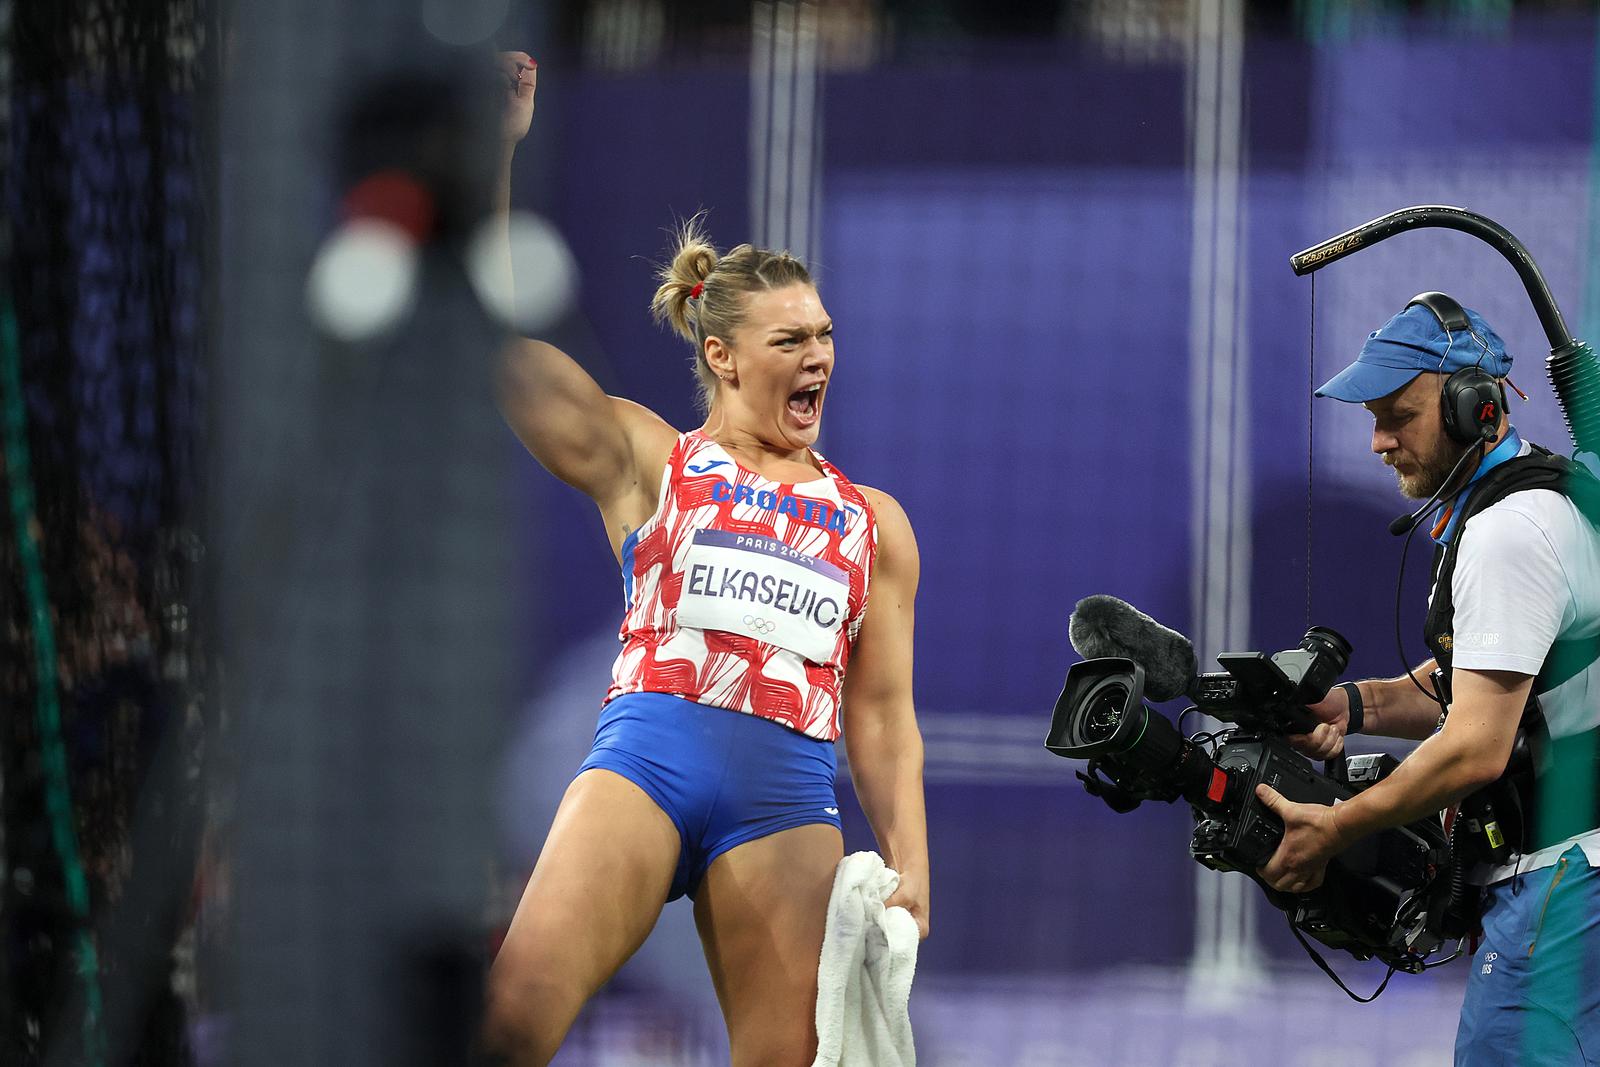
(1472, 399)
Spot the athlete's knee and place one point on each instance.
(527, 1011)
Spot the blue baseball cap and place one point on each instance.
(1412, 342)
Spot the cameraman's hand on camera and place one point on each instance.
(1327, 739)
(522, 78)
(1310, 838)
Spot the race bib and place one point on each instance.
(760, 587)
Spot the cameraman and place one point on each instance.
(1525, 588)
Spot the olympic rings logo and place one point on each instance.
(760, 626)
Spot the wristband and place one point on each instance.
(1357, 713)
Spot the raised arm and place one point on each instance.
(880, 719)
(608, 447)
(611, 449)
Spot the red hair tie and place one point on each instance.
(699, 287)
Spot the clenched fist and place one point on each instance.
(522, 77)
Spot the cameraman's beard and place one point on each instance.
(1432, 470)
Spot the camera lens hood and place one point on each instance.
(1100, 711)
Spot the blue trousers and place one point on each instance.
(1533, 997)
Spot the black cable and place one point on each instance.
(1454, 955)
(1316, 957)
(1399, 588)
(1438, 500)
(1311, 438)
(1522, 842)
(1208, 737)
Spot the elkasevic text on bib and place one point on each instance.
(760, 587)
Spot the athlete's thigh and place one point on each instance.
(761, 909)
(595, 894)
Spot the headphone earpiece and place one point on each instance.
(1472, 400)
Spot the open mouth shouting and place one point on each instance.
(805, 405)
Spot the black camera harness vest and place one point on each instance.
(1537, 761)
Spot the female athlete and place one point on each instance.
(755, 574)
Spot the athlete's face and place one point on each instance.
(778, 365)
(1408, 432)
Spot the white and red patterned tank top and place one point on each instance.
(745, 593)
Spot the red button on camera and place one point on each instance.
(1218, 786)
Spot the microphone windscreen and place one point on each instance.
(1105, 626)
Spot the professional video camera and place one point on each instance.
(1388, 896)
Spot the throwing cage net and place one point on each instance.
(105, 138)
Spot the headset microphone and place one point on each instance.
(1471, 398)
(1404, 523)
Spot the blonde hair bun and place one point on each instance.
(692, 262)
(703, 294)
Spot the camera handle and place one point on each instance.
(1117, 798)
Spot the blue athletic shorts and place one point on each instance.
(1533, 995)
(722, 776)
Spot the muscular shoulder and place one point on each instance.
(631, 496)
(897, 544)
(649, 435)
(886, 510)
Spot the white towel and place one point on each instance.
(869, 954)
